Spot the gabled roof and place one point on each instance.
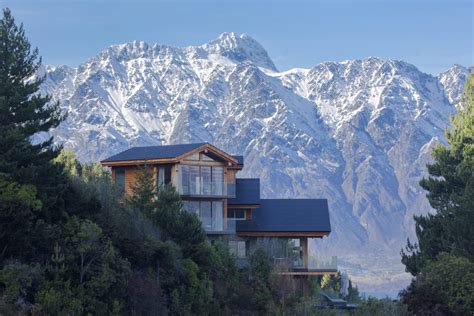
(287, 216)
(164, 152)
(247, 192)
(153, 152)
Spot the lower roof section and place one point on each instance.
(288, 218)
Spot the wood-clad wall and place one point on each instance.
(131, 176)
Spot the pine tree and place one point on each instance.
(23, 111)
(25, 168)
(450, 189)
(442, 261)
(144, 193)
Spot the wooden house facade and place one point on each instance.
(229, 207)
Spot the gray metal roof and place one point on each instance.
(153, 152)
(247, 191)
(159, 152)
(288, 215)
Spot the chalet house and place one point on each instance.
(229, 207)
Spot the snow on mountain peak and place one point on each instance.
(453, 82)
(357, 132)
(240, 48)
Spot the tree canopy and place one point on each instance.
(446, 236)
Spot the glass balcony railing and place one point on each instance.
(322, 263)
(316, 264)
(217, 225)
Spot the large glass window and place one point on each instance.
(206, 215)
(191, 206)
(206, 180)
(201, 180)
(194, 180)
(217, 181)
(161, 177)
(167, 174)
(217, 215)
(211, 213)
(184, 179)
(120, 179)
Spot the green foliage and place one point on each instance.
(262, 296)
(383, 307)
(19, 280)
(143, 194)
(443, 258)
(450, 192)
(71, 165)
(31, 185)
(17, 206)
(353, 295)
(325, 281)
(446, 286)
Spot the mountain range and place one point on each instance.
(357, 132)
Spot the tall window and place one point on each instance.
(194, 180)
(161, 177)
(217, 181)
(210, 213)
(206, 180)
(206, 215)
(120, 179)
(184, 179)
(217, 215)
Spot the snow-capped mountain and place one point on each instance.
(357, 132)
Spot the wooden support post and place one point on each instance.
(304, 245)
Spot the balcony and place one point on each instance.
(227, 229)
(316, 266)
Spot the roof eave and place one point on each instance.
(289, 234)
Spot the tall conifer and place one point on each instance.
(31, 185)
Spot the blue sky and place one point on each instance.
(432, 35)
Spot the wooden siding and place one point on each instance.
(131, 176)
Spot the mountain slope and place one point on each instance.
(358, 132)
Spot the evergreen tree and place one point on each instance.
(144, 192)
(450, 189)
(445, 287)
(24, 113)
(442, 261)
(25, 168)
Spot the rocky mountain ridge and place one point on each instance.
(358, 132)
